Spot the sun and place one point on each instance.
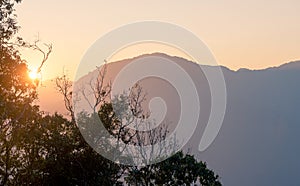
(34, 75)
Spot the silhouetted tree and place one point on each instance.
(86, 167)
(19, 117)
(180, 169)
(64, 158)
(116, 116)
(17, 93)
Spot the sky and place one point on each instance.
(250, 34)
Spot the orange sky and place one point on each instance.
(241, 34)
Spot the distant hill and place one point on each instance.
(259, 141)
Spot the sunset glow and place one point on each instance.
(34, 75)
(149, 92)
(241, 34)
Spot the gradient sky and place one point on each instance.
(241, 34)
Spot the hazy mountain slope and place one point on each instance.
(259, 141)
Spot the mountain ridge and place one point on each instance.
(288, 65)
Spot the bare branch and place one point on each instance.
(64, 86)
(35, 46)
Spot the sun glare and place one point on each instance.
(34, 75)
